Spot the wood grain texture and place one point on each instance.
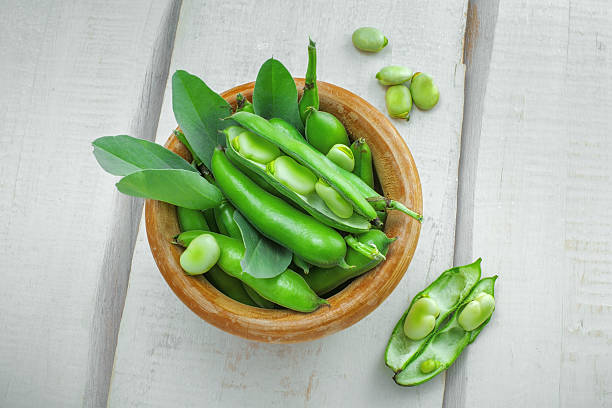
(71, 72)
(399, 179)
(166, 353)
(479, 36)
(542, 209)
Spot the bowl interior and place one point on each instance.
(399, 180)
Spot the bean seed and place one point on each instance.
(425, 93)
(369, 39)
(399, 101)
(292, 174)
(394, 75)
(201, 255)
(421, 318)
(342, 155)
(476, 312)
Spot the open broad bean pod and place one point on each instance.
(446, 344)
(438, 300)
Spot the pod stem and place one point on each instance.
(382, 203)
(367, 250)
(342, 264)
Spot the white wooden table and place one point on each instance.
(515, 164)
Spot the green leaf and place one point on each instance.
(198, 111)
(121, 155)
(262, 257)
(275, 94)
(179, 187)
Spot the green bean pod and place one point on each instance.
(378, 202)
(447, 292)
(224, 215)
(310, 97)
(323, 130)
(363, 161)
(309, 157)
(257, 298)
(446, 344)
(287, 128)
(317, 243)
(302, 264)
(189, 219)
(243, 104)
(229, 286)
(323, 281)
(288, 289)
(311, 203)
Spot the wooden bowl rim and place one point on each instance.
(346, 307)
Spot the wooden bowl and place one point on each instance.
(399, 179)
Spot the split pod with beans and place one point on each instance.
(288, 182)
(288, 289)
(378, 202)
(427, 311)
(306, 155)
(447, 343)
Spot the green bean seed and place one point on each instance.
(429, 366)
(424, 92)
(369, 39)
(255, 148)
(399, 101)
(292, 174)
(342, 155)
(476, 312)
(333, 199)
(394, 75)
(421, 318)
(201, 255)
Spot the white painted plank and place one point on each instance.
(479, 36)
(543, 204)
(165, 353)
(70, 72)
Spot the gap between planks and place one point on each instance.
(478, 45)
(119, 248)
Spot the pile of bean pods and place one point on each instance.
(441, 321)
(312, 193)
(399, 99)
